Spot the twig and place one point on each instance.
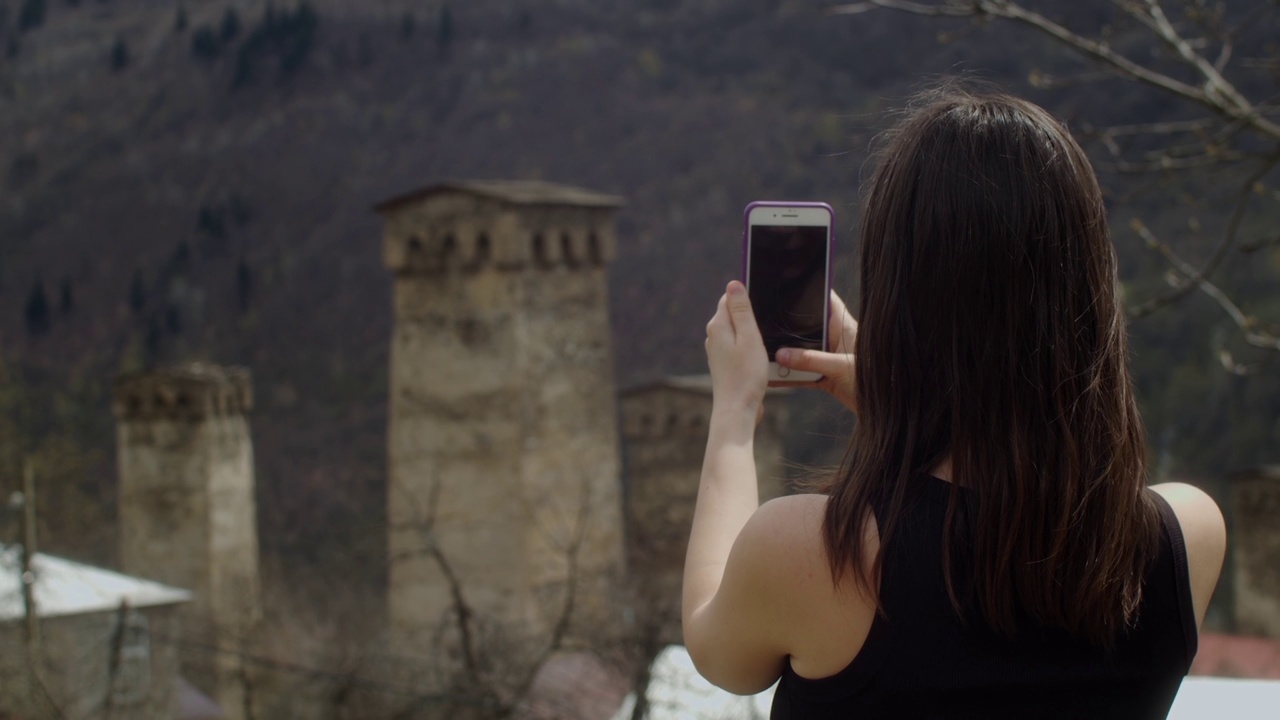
(1245, 322)
(1161, 128)
(1169, 162)
(1220, 252)
(1257, 245)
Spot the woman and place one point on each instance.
(989, 548)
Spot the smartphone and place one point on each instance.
(786, 266)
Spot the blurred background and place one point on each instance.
(193, 180)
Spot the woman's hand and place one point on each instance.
(836, 367)
(736, 355)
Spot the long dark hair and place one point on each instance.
(991, 332)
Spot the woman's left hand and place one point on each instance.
(736, 355)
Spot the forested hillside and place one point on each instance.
(193, 180)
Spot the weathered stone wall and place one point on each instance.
(503, 449)
(187, 510)
(1255, 542)
(77, 671)
(664, 427)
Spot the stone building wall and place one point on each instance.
(187, 511)
(77, 672)
(664, 427)
(1255, 544)
(503, 447)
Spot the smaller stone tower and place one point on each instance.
(664, 430)
(187, 511)
(504, 505)
(1254, 540)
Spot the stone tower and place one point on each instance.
(664, 429)
(503, 441)
(1254, 541)
(187, 509)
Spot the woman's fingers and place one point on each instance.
(831, 365)
(842, 328)
(836, 368)
(744, 320)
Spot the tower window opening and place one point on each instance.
(482, 248)
(594, 256)
(540, 250)
(566, 250)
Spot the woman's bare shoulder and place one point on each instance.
(788, 530)
(826, 623)
(1204, 531)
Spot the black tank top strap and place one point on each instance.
(1182, 575)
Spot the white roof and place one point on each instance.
(63, 587)
(678, 692)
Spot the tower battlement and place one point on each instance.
(188, 392)
(471, 227)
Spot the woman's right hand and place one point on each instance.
(836, 367)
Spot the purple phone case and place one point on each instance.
(831, 242)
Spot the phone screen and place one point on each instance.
(787, 279)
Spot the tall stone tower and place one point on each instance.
(504, 507)
(187, 511)
(664, 429)
(1255, 543)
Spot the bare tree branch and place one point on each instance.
(1217, 94)
(1169, 162)
(1193, 280)
(1257, 245)
(1160, 128)
(1247, 323)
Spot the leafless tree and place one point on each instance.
(1199, 52)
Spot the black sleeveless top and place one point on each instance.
(920, 661)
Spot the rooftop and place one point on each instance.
(518, 192)
(64, 587)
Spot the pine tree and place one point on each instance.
(180, 22)
(230, 25)
(173, 320)
(137, 292)
(406, 27)
(205, 44)
(37, 310)
(67, 303)
(119, 55)
(31, 15)
(244, 285)
(445, 36)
